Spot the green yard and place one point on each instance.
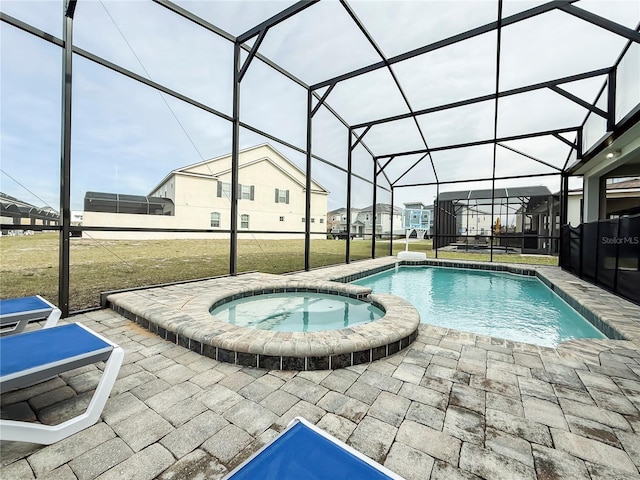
(29, 264)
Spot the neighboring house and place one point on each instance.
(337, 221)
(362, 221)
(418, 216)
(474, 220)
(17, 212)
(271, 197)
(382, 220)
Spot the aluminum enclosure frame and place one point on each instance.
(355, 138)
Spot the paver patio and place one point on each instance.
(451, 405)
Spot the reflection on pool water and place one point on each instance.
(297, 312)
(498, 304)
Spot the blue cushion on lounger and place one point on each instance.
(303, 451)
(39, 348)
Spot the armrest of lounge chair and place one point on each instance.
(20, 311)
(31, 357)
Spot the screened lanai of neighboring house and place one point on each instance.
(382, 103)
(519, 219)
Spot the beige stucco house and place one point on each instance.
(271, 197)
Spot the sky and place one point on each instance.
(126, 137)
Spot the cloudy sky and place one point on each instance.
(127, 137)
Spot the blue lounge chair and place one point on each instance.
(304, 451)
(20, 311)
(31, 357)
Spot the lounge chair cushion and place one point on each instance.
(30, 352)
(303, 451)
(18, 312)
(35, 306)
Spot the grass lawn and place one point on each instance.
(29, 264)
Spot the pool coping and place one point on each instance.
(180, 313)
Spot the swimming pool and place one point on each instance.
(297, 312)
(498, 304)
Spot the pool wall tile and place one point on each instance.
(209, 351)
(170, 336)
(378, 352)
(144, 323)
(153, 328)
(269, 362)
(247, 359)
(393, 347)
(183, 341)
(195, 346)
(293, 363)
(363, 356)
(318, 363)
(227, 356)
(341, 360)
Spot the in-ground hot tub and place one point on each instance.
(181, 314)
(297, 312)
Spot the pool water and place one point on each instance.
(498, 304)
(297, 312)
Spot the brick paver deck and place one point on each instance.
(451, 405)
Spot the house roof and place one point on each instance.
(382, 208)
(344, 209)
(630, 184)
(415, 205)
(187, 169)
(625, 184)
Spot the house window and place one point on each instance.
(303, 219)
(244, 221)
(282, 219)
(322, 220)
(313, 220)
(224, 190)
(215, 219)
(282, 196)
(245, 192)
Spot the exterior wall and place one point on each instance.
(383, 223)
(472, 223)
(151, 221)
(573, 209)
